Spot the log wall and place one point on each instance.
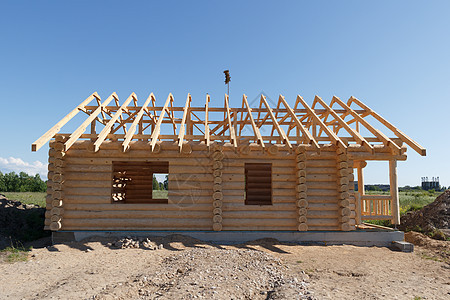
(310, 190)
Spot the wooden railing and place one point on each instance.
(376, 207)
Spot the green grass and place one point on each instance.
(14, 254)
(412, 200)
(160, 194)
(27, 197)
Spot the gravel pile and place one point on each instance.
(214, 273)
(136, 242)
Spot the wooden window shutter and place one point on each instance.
(258, 184)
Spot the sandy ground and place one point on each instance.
(95, 270)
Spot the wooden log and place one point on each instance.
(217, 173)
(344, 203)
(345, 226)
(54, 226)
(344, 219)
(301, 165)
(186, 149)
(301, 195)
(244, 223)
(48, 199)
(322, 192)
(244, 149)
(323, 228)
(343, 172)
(257, 214)
(217, 187)
(343, 180)
(342, 157)
(345, 211)
(138, 207)
(395, 205)
(57, 146)
(301, 180)
(138, 224)
(343, 165)
(322, 206)
(302, 219)
(217, 211)
(302, 211)
(301, 157)
(344, 195)
(322, 185)
(321, 170)
(58, 195)
(217, 219)
(302, 203)
(57, 203)
(323, 222)
(302, 148)
(217, 204)
(137, 214)
(57, 211)
(321, 163)
(218, 196)
(217, 180)
(217, 226)
(302, 227)
(55, 218)
(274, 208)
(218, 165)
(217, 147)
(343, 188)
(218, 155)
(301, 188)
(321, 177)
(301, 173)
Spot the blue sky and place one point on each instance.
(392, 55)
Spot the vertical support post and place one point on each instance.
(361, 192)
(395, 211)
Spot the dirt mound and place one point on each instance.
(20, 223)
(431, 218)
(214, 274)
(440, 249)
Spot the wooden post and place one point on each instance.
(360, 204)
(395, 211)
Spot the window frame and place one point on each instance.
(156, 167)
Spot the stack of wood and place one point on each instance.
(55, 183)
(343, 182)
(217, 157)
(302, 203)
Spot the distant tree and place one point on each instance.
(155, 183)
(166, 183)
(22, 182)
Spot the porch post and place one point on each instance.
(361, 192)
(395, 211)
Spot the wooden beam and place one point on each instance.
(137, 119)
(231, 128)
(255, 128)
(363, 142)
(306, 134)
(207, 136)
(276, 125)
(395, 205)
(156, 130)
(413, 144)
(82, 128)
(386, 141)
(339, 143)
(104, 133)
(57, 127)
(182, 131)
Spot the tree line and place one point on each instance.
(22, 182)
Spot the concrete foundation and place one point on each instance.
(357, 238)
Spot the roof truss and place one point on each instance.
(303, 124)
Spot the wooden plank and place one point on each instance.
(157, 128)
(231, 128)
(182, 131)
(277, 126)
(413, 144)
(207, 135)
(82, 128)
(306, 134)
(395, 205)
(57, 127)
(137, 119)
(255, 128)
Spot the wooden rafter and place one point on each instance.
(157, 129)
(207, 136)
(413, 144)
(104, 133)
(137, 119)
(276, 125)
(350, 130)
(255, 128)
(233, 139)
(386, 141)
(182, 131)
(306, 134)
(55, 129)
(82, 128)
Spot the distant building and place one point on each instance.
(430, 184)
